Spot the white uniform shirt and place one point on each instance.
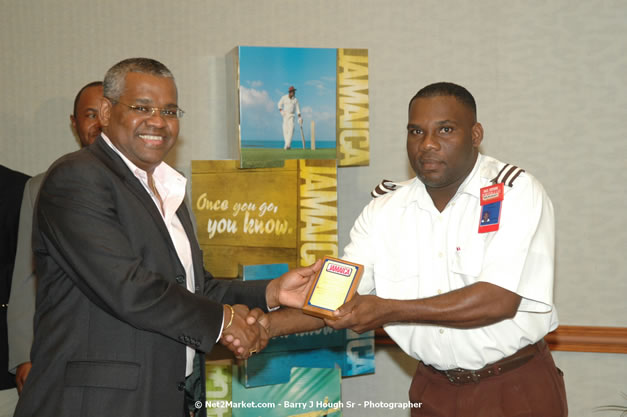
(171, 187)
(288, 105)
(410, 250)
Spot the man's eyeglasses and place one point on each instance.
(145, 111)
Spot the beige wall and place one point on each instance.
(549, 78)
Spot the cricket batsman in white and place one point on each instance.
(288, 107)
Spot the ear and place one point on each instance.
(73, 121)
(104, 114)
(477, 134)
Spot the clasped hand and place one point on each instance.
(247, 333)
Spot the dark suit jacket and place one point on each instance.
(113, 313)
(11, 189)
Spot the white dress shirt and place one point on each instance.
(410, 250)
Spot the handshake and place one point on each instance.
(246, 331)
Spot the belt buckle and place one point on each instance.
(470, 375)
(450, 377)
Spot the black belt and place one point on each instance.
(460, 376)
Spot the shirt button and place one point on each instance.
(181, 386)
(441, 331)
(440, 254)
(180, 279)
(439, 291)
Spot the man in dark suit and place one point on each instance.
(11, 189)
(124, 305)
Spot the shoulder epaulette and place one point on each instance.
(508, 175)
(385, 187)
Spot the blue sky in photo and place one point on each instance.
(266, 73)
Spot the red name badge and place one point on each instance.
(491, 200)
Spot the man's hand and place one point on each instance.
(243, 335)
(300, 120)
(477, 305)
(261, 318)
(21, 374)
(291, 288)
(362, 313)
(256, 317)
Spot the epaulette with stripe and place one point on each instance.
(508, 175)
(387, 186)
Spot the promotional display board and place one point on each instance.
(264, 215)
(298, 103)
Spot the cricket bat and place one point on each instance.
(302, 135)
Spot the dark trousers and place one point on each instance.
(535, 389)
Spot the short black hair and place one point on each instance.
(447, 89)
(78, 96)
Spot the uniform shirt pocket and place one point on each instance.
(468, 258)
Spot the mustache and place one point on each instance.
(429, 158)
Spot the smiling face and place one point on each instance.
(443, 141)
(85, 120)
(143, 138)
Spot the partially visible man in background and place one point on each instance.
(11, 189)
(85, 117)
(22, 301)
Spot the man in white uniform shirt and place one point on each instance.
(288, 106)
(471, 301)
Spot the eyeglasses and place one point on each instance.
(145, 111)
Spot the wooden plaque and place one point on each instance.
(335, 285)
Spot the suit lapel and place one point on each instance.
(104, 153)
(197, 261)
